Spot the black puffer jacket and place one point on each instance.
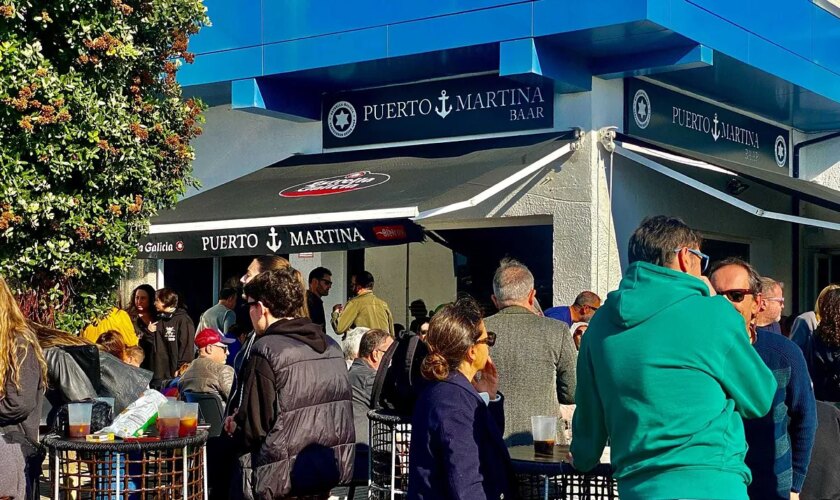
(296, 417)
(824, 364)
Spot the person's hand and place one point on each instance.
(338, 308)
(708, 283)
(794, 495)
(487, 380)
(230, 425)
(153, 327)
(570, 458)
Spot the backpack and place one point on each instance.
(101, 415)
(398, 382)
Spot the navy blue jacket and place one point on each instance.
(457, 450)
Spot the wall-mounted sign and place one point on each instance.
(673, 119)
(444, 108)
(279, 239)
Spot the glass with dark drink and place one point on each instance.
(544, 431)
(189, 419)
(169, 419)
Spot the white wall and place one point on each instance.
(236, 143)
(820, 162)
(431, 275)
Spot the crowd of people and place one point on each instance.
(687, 372)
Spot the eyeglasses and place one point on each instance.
(736, 295)
(326, 282)
(704, 259)
(252, 303)
(780, 300)
(490, 340)
(222, 346)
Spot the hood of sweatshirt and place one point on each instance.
(647, 290)
(302, 329)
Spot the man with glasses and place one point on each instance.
(772, 306)
(665, 374)
(320, 282)
(780, 442)
(535, 356)
(372, 347)
(208, 373)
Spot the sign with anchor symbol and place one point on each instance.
(443, 108)
(669, 118)
(443, 111)
(273, 243)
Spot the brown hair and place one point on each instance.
(112, 343)
(275, 262)
(16, 342)
(829, 328)
(452, 331)
(167, 296)
(280, 290)
(53, 337)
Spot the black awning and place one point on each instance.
(342, 200)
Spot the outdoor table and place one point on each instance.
(552, 478)
(169, 468)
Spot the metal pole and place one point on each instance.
(185, 472)
(117, 487)
(407, 280)
(204, 467)
(56, 474)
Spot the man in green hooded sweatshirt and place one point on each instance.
(665, 373)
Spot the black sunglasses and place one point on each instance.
(490, 340)
(252, 303)
(736, 295)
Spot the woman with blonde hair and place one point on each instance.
(23, 378)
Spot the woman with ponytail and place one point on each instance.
(457, 450)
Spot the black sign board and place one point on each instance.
(279, 239)
(670, 118)
(444, 108)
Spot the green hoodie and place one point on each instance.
(665, 373)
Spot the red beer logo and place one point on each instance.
(335, 185)
(387, 233)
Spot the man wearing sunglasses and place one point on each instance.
(320, 282)
(208, 372)
(780, 442)
(665, 373)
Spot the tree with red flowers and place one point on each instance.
(94, 140)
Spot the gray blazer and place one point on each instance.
(537, 361)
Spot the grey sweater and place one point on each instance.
(537, 361)
(23, 407)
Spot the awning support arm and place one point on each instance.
(724, 197)
(505, 184)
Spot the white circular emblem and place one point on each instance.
(342, 119)
(780, 151)
(641, 108)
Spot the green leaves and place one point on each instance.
(94, 138)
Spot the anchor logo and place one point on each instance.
(274, 244)
(443, 110)
(715, 133)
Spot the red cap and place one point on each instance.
(210, 336)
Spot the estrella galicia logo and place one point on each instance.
(780, 151)
(641, 109)
(335, 185)
(179, 246)
(341, 119)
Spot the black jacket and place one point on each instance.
(457, 450)
(824, 365)
(823, 479)
(169, 346)
(296, 416)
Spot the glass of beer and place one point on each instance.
(544, 430)
(169, 419)
(189, 419)
(78, 419)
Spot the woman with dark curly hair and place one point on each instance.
(457, 450)
(823, 355)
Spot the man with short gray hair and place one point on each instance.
(535, 356)
(772, 305)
